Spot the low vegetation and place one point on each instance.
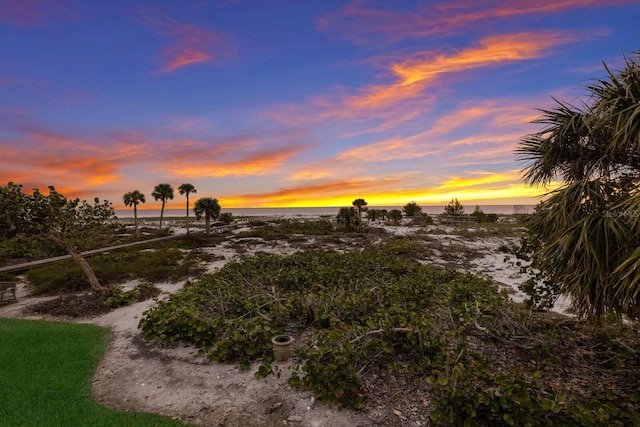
(372, 310)
(154, 265)
(488, 361)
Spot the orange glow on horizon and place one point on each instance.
(487, 187)
(520, 194)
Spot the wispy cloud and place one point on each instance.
(414, 81)
(257, 163)
(481, 122)
(415, 74)
(188, 44)
(39, 157)
(102, 158)
(189, 123)
(364, 24)
(31, 13)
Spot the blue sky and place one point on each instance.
(293, 103)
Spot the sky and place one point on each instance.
(293, 103)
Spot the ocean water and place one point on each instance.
(311, 212)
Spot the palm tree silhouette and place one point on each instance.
(360, 206)
(162, 192)
(210, 208)
(133, 198)
(185, 190)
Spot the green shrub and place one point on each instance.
(22, 246)
(348, 219)
(165, 231)
(147, 290)
(7, 277)
(65, 276)
(309, 227)
(112, 268)
(427, 219)
(118, 297)
(365, 308)
(226, 218)
(412, 209)
(472, 395)
(395, 215)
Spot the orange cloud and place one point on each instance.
(257, 163)
(367, 25)
(491, 50)
(189, 45)
(36, 156)
(315, 172)
(56, 158)
(391, 149)
(411, 92)
(349, 111)
(415, 74)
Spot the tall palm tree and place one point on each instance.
(185, 190)
(360, 206)
(210, 208)
(133, 198)
(162, 192)
(587, 231)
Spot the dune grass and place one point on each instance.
(45, 379)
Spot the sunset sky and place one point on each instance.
(265, 103)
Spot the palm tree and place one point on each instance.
(133, 198)
(360, 206)
(185, 190)
(587, 231)
(210, 208)
(162, 192)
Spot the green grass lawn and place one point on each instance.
(45, 377)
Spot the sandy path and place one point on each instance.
(175, 381)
